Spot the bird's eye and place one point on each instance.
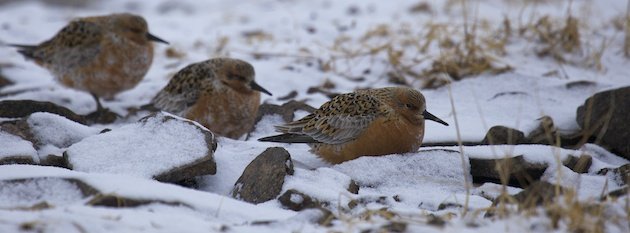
(135, 30)
(236, 77)
(409, 106)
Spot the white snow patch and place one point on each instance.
(11, 145)
(59, 131)
(26, 193)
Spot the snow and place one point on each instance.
(302, 36)
(26, 193)
(212, 205)
(11, 145)
(53, 129)
(144, 149)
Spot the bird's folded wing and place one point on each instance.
(77, 44)
(338, 121)
(180, 93)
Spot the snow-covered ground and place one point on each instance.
(295, 45)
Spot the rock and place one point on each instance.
(578, 164)
(538, 193)
(449, 205)
(53, 160)
(621, 175)
(103, 116)
(353, 187)
(616, 193)
(285, 110)
(19, 128)
(498, 135)
(263, 178)
(606, 117)
(519, 172)
(395, 227)
(295, 200)
(23, 108)
(160, 146)
(15, 150)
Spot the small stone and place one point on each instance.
(295, 200)
(520, 172)
(263, 178)
(449, 205)
(498, 135)
(395, 227)
(578, 164)
(353, 187)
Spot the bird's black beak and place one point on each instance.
(257, 87)
(429, 116)
(151, 37)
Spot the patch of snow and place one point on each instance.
(53, 129)
(11, 145)
(29, 192)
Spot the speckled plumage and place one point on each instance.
(220, 93)
(102, 55)
(363, 123)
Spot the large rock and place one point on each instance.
(160, 146)
(263, 178)
(606, 117)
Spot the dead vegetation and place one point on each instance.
(436, 53)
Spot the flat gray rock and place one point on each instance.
(160, 146)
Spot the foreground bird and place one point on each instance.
(219, 93)
(363, 123)
(102, 55)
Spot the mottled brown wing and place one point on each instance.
(338, 121)
(78, 43)
(183, 90)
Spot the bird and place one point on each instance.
(371, 122)
(101, 55)
(220, 93)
